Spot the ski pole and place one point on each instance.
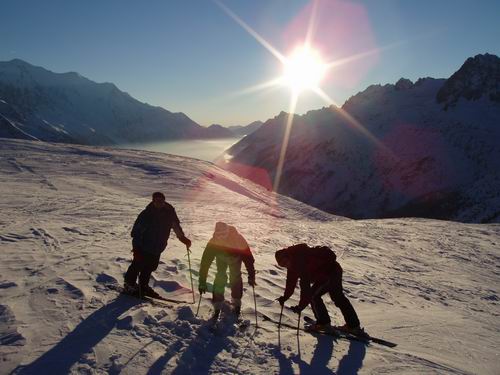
(191, 273)
(255, 304)
(281, 314)
(198, 309)
(298, 324)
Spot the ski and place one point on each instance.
(283, 324)
(334, 333)
(366, 338)
(162, 301)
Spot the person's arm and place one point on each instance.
(176, 226)
(305, 293)
(206, 261)
(291, 283)
(138, 231)
(249, 261)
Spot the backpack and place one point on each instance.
(324, 253)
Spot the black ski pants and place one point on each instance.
(142, 265)
(333, 287)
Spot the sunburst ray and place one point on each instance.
(252, 32)
(284, 145)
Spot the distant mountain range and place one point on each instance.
(245, 129)
(429, 148)
(65, 107)
(232, 131)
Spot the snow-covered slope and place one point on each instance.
(429, 149)
(219, 131)
(478, 77)
(245, 129)
(70, 108)
(65, 218)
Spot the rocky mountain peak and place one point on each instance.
(478, 77)
(404, 84)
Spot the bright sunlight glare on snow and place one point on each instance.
(304, 69)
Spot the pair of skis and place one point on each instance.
(218, 323)
(225, 317)
(333, 331)
(341, 332)
(162, 301)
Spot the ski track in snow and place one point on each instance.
(65, 219)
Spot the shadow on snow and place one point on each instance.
(198, 357)
(86, 335)
(349, 364)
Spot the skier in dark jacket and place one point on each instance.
(229, 249)
(149, 238)
(319, 273)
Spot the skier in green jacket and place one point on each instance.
(229, 249)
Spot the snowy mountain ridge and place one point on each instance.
(65, 218)
(428, 149)
(67, 107)
(478, 76)
(245, 129)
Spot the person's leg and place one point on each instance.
(134, 269)
(341, 301)
(150, 264)
(318, 306)
(236, 283)
(219, 284)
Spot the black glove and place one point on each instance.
(186, 241)
(296, 309)
(251, 280)
(281, 300)
(202, 288)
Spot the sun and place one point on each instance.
(303, 69)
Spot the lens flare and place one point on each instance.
(304, 69)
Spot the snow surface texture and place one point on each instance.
(427, 149)
(65, 218)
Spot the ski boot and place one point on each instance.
(147, 291)
(356, 331)
(318, 327)
(236, 307)
(132, 289)
(217, 309)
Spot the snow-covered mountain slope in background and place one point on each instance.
(432, 150)
(11, 121)
(219, 131)
(246, 129)
(70, 108)
(65, 218)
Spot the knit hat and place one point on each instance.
(281, 257)
(221, 230)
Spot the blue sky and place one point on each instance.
(190, 56)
